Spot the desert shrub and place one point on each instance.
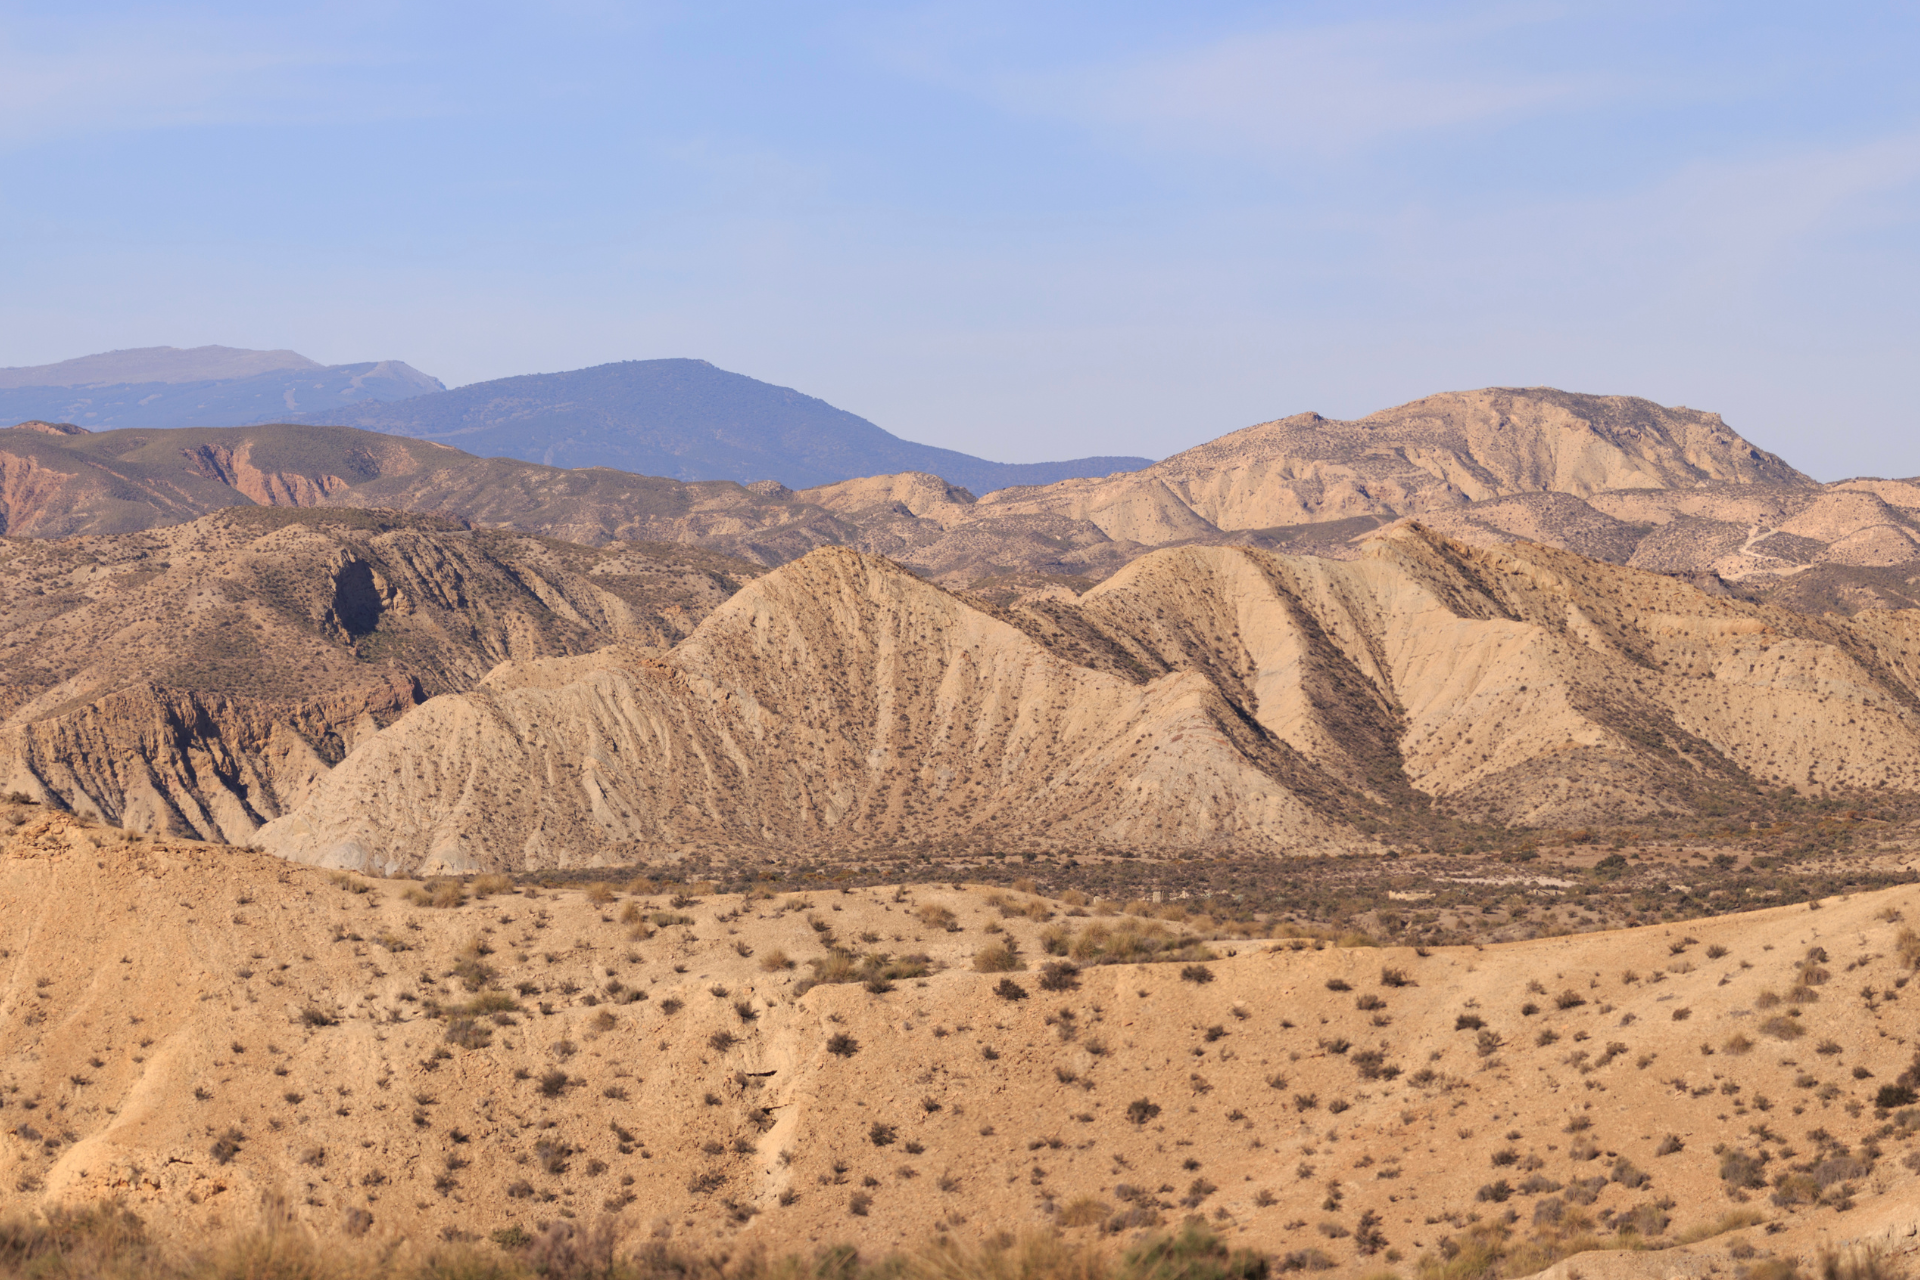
(1894, 1095)
(1196, 973)
(1469, 1022)
(1008, 989)
(1669, 1145)
(1140, 1110)
(600, 893)
(1742, 1170)
(553, 1083)
(474, 974)
(227, 1146)
(1339, 984)
(1907, 947)
(437, 893)
(1129, 940)
(1781, 1028)
(775, 960)
(1396, 978)
(1059, 975)
(1627, 1175)
(842, 1045)
(1087, 1211)
(314, 1016)
(468, 1034)
(490, 884)
(882, 1135)
(998, 957)
(1195, 1254)
(722, 1040)
(1569, 999)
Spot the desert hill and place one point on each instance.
(1201, 699)
(1433, 454)
(1484, 467)
(686, 420)
(57, 483)
(196, 1030)
(197, 679)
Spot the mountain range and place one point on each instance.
(686, 420)
(167, 387)
(682, 419)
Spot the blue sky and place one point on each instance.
(1025, 230)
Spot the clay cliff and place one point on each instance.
(198, 679)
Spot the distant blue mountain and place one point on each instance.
(685, 420)
(278, 395)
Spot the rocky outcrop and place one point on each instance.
(198, 680)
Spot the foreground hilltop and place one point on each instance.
(874, 1066)
(1202, 699)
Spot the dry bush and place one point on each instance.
(998, 957)
(1907, 947)
(437, 893)
(488, 885)
(935, 916)
(600, 893)
(1087, 1211)
(877, 969)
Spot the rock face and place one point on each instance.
(199, 679)
(1202, 698)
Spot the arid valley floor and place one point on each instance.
(841, 1061)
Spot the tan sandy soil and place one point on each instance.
(155, 998)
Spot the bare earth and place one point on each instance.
(192, 1029)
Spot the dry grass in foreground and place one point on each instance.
(108, 1242)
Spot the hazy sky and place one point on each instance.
(1026, 230)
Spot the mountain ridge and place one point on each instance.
(684, 419)
(156, 365)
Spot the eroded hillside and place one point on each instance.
(1203, 699)
(198, 679)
